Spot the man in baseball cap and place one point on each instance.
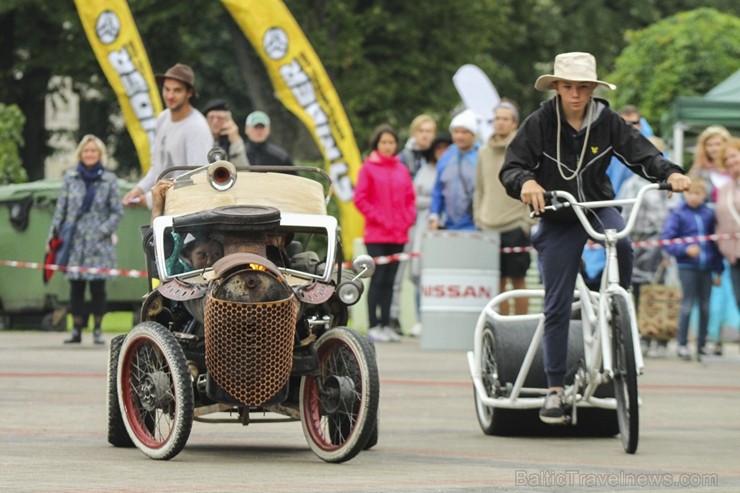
(259, 151)
(181, 137)
(258, 118)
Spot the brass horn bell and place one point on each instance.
(222, 175)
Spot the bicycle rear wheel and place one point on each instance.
(625, 375)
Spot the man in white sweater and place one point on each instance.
(181, 136)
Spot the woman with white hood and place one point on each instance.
(452, 196)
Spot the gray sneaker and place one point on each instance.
(718, 349)
(391, 334)
(377, 334)
(552, 411)
(684, 353)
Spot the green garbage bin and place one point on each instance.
(25, 301)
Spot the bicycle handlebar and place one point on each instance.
(561, 199)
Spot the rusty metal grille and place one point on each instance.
(249, 346)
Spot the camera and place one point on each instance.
(223, 142)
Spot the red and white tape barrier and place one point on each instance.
(91, 270)
(385, 259)
(400, 257)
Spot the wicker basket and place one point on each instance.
(657, 313)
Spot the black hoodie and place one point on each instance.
(532, 155)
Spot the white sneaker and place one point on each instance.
(391, 334)
(377, 334)
(660, 350)
(684, 353)
(416, 330)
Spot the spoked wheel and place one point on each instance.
(117, 434)
(155, 391)
(489, 373)
(625, 375)
(504, 345)
(494, 370)
(339, 407)
(373, 439)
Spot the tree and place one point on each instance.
(392, 60)
(389, 60)
(11, 128)
(683, 55)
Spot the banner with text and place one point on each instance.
(303, 86)
(115, 39)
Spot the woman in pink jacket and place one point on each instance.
(384, 194)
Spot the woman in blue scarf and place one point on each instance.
(89, 196)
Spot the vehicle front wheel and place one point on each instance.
(625, 375)
(339, 407)
(155, 391)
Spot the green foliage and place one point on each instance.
(683, 55)
(11, 138)
(389, 60)
(392, 60)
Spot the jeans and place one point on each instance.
(559, 247)
(735, 276)
(697, 288)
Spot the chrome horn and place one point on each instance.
(222, 175)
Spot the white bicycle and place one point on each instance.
(603, 350)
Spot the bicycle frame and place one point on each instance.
(595, 315)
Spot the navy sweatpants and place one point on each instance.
(559, 247)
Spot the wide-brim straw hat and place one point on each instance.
(574, 66)
(180, 72)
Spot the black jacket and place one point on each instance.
(267, 154)
(532, 155)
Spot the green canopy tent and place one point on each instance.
(720, 106)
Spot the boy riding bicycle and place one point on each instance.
(567, 144)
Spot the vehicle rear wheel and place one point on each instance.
(155, 391)
(504, 346)
(625, 375)
(117, 434)
(339, 407)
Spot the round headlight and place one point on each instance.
(349, 293)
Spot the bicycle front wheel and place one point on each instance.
(625, 375)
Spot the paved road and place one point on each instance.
(53, 439)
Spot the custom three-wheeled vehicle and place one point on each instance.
(258, 336)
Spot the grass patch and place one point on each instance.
(113, 322)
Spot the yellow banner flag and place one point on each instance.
(303, 86)
(114, 38)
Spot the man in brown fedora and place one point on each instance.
(567, 144)
(181, 135)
